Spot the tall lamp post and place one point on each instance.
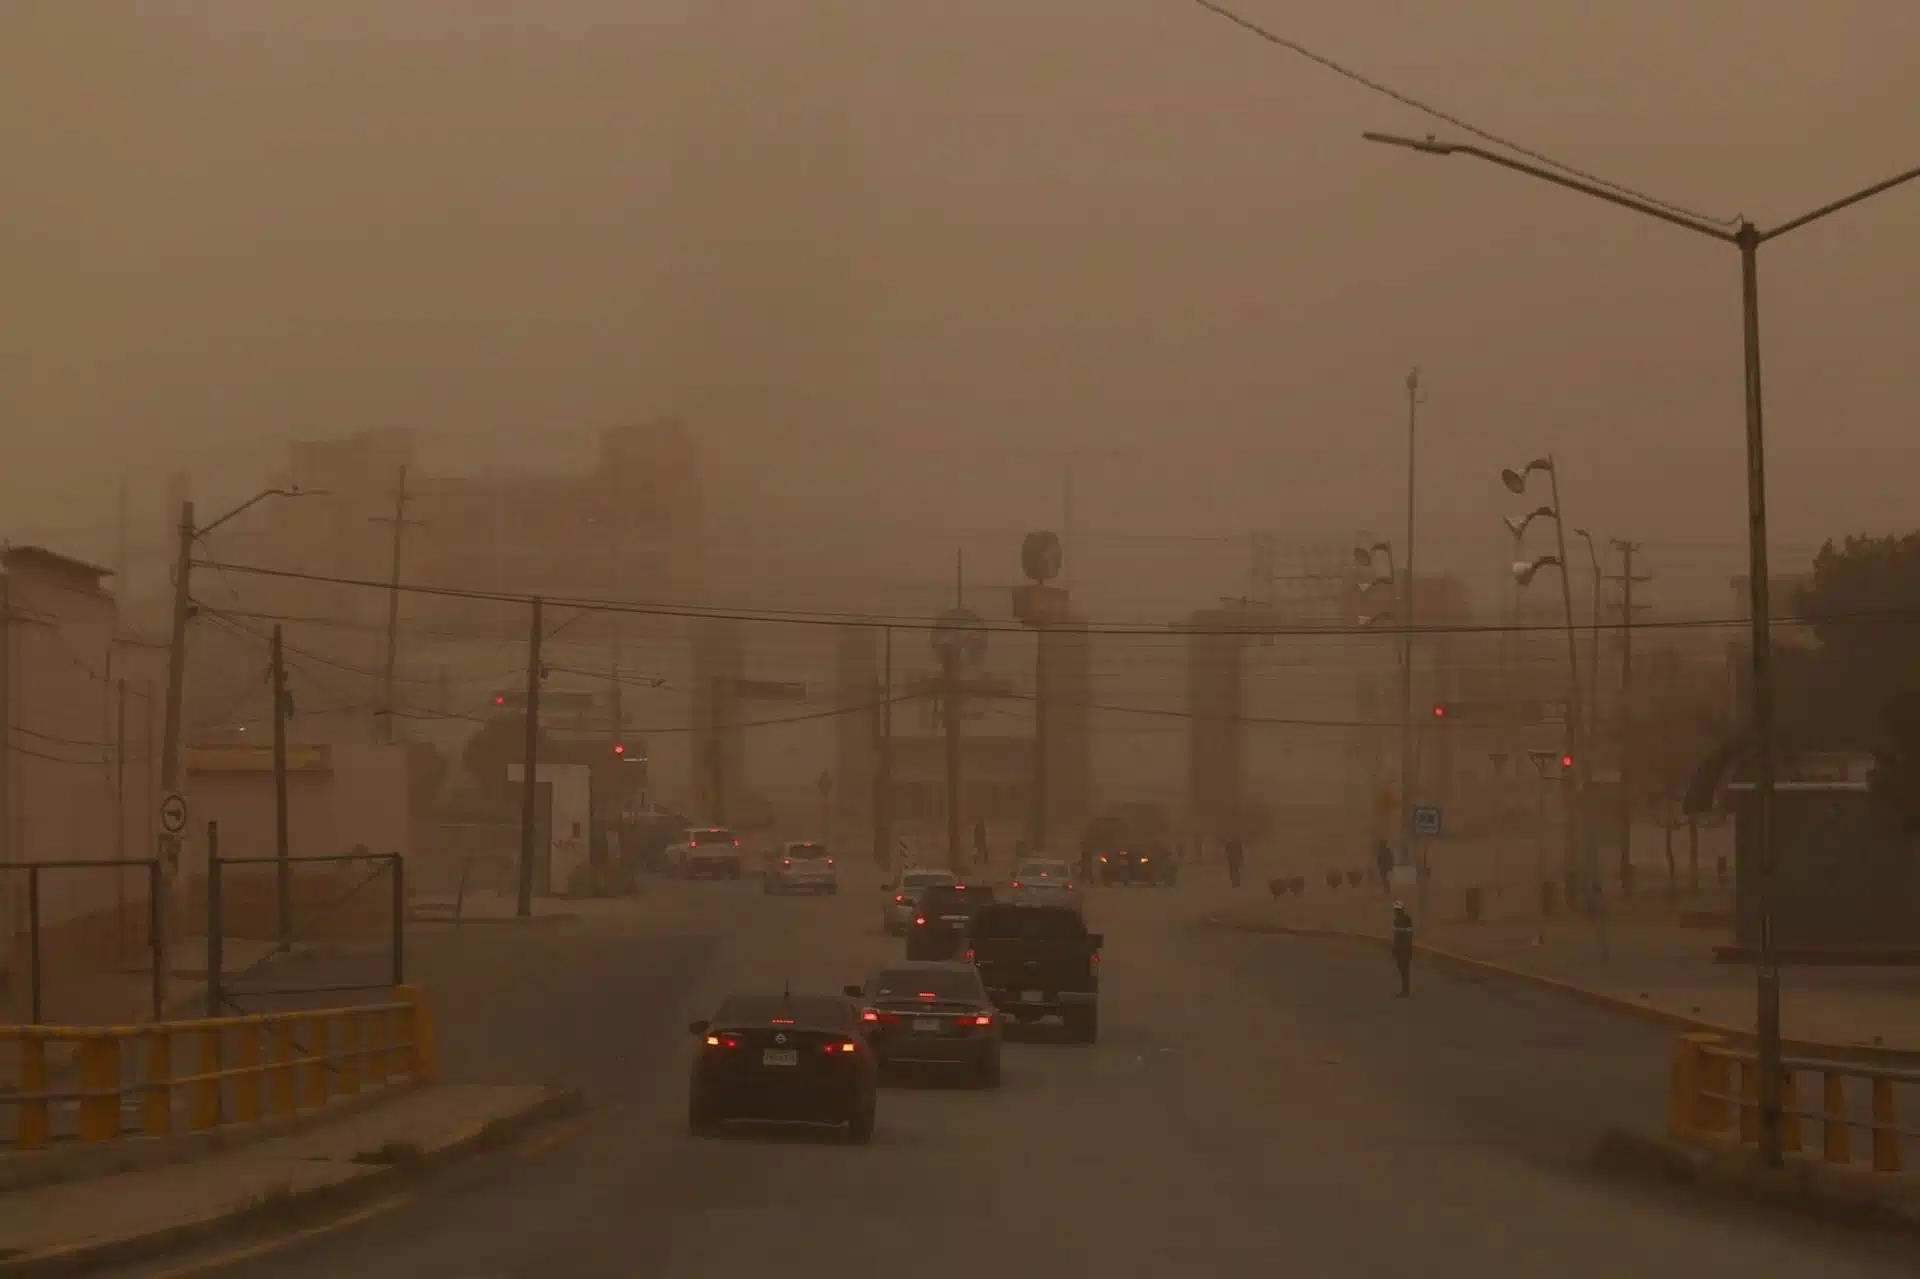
(1747, 238)
(1364, 558)
(1592, 720)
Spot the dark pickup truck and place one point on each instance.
(1039, 961)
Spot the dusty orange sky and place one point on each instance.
(1000, 225)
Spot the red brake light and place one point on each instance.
(976, 1019)
(969, 955)
(870, 1014)
(736, 843)
(723, 1041)
(1069, 887)
(1096, 958)
(899, 899)
(919, 921)
(927, 994)
(1103, 857)
(844, 1046)
(782, 1021)
(1016, 883)
(786, 861)
(829, 861)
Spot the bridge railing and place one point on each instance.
(116, 1081)
(1714, 1096)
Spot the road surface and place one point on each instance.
(1256, 1105)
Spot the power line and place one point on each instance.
(1385, 90)
(1172, 633)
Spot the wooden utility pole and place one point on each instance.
(1627, 579)
(283, 869)
(883, 744)
(400, 522)
(530, 765)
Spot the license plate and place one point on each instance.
(780, 1057)
(926, 1025)
(1033, 996)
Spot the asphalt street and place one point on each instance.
(1256, 1105)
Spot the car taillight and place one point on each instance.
(1096, 959)
(1103, 857)
(1144, 859)
(736, 843)
(975, 1019)
(1016, 883)
(1069, 887)
(844, 1046)
(786, 861)
(919, 921)
(899, 899)
(723, 1041)
(969, 955)
(829, 861)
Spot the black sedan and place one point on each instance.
(939, 928)
(932, 1013)
(783, 1059)
(1152, 866)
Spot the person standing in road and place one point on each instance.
(1403, 947)
(980, 842)
(1236, 857)
(1383, 862)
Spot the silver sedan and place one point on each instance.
(1044, 882)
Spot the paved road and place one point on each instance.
(1256, 1105)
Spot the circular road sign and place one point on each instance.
(173, 813)
(1040, 556)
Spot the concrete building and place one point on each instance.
(79, 746)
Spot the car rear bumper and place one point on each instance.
(1015, 999)
(778, 1105)
(712, 867)
(807, 884)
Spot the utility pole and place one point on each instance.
(1406, 643)
(1582, 853)
(1039, 834)
(950, 703)
(170, 778)
(283, 869)
(119, 813)
(530, 765)
(883, 772)
(1627, 579)
(399, 520)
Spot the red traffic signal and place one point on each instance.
(499, 699)
(1566, 761)
(1439, 712)
(619, 748)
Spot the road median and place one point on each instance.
(268, 1188)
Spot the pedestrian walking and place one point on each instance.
(1383, 862)
(1236, 858)
(980, 842)
(1403, 947)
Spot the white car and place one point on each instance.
(706, 852)
(1045, 882)
(903, 896)
(801, 866)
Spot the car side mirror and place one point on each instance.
(853, 992)
(1096, 940)
(698, 1027)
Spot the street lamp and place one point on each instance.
(1593, 647)
(1747, 238)
(1364, 557)
(1579, 842)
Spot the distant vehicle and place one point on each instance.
(1043, 882)
(931, 1013)
(706, 852)
(1153, 866)
(1039, 961)
(940, 925)
(783, 1058)
(903, 902)
(801, 866)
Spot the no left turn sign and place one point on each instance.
(173, 813)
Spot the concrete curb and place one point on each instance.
(1805, 1188)
(1858, 1053)
(490, 921)
(301, 1208)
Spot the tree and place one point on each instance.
(1864, 611)
(498, 744)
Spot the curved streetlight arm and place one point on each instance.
(257, 498)
(1865, 193)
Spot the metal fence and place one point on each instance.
(79, 928)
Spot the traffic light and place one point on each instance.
(1566, 761)
(1439, 712)
(619, 748)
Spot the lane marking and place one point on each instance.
(268, 1247)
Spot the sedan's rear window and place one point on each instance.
(807, 852)
(956, 897)
(911, 983)
(806, 1012)
(924, 878)
(715, 835)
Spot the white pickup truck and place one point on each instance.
(706, 852)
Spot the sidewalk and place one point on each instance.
(356, 1157)
(1650, 961)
